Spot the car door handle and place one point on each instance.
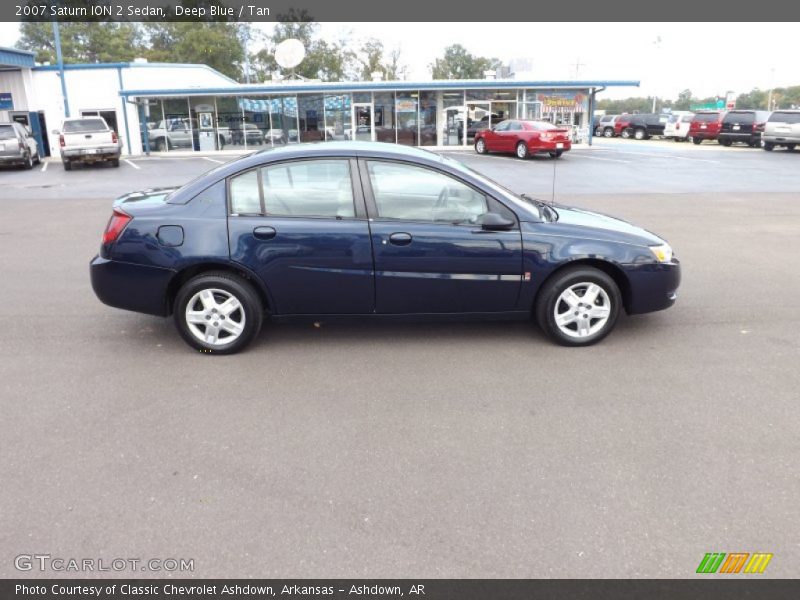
(400, 239)
(264, 232)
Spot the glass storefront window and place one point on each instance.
(154, 116)
(385, 117)
(284, 119)
(337, 116)
(229, 121)
(175, 130)
(312, 118)
(362, 97)
(427, 119)
(479, 95)
(406, 109)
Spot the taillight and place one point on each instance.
(114, 138)
(116, 224)
(61, 140)
(759, 126)
(546, 137)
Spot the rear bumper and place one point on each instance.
(550, 146)
(131, 287)
(101, 153)
(704, 135)
(652, 287)
(781, 139)
(744, 138)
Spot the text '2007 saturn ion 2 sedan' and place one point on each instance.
(344, 229)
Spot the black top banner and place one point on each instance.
(389, 589)
(399, 11)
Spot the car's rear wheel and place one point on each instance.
(598, 131)
(218, 313)
(522, 150)
(609, 132)
(790, 147)
(579, 306)
(162, 145)
(480, 146)
(67, 165)
(697, 141)
(115, 162)
(725, 142)
(556, 154)
(769, 146)
(639, 134)
(626, 133)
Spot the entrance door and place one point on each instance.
(363, 118)
(454, 126)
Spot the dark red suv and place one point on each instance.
(706, 125)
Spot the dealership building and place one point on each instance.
(164, 107)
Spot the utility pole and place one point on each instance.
(578, 64)
(60, 63)
(657, 44)
(771, 87)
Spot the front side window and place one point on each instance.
(307, 188)
(411, 193)
(503, 126)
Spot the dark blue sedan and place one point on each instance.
(344, 229)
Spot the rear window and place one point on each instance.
(7, 132)
(706, 117)
(606, 118)
(84, 125)
(785, 117)
(542, 126)
(739, 117)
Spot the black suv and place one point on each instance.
(644, 126)
(744, 126)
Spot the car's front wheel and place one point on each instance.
(480, 146)
(609, 132)
(640, 134)
(579, 306)
(218, 313)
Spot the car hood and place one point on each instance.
(578, 217)
(150, 196)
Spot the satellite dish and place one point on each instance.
(290, 53)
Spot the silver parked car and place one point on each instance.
(18, 146)
(605, 126)
(782, 129)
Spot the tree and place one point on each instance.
(84, 42)
(458, 63)
(371, 58)
(395, 70)
(214, 44)
(684, 100)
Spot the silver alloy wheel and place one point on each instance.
(481, 146)
(522, 151)
(215, 316)
(582, 310)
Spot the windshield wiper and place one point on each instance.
(548, 212)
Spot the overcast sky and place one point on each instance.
(709, 59)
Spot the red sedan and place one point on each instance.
(524, 138)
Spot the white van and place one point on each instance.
(677, 127)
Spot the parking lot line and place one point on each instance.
(601, 158)
(134, 165)
(657, 155)
(214, 160)
(44, 166)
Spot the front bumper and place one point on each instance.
(652, 286)
(129, 286)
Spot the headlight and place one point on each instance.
(662, 253)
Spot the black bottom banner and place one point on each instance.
(386, 589)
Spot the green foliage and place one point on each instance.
(458, 63)
(85, 42)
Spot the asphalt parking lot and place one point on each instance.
(449, 450)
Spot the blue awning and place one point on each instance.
(11, 58)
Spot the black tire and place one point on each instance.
(480, 146)
(38, 158)
(598, 131)
(697, 141)
(251, 310)
(115, 162)
(521, 150)
(162, 145)
(791, 147)
(725, 143)
(608, 132)
(769, 146)
(67, 165)
(28, 164)
(556, 154)
(640, 134)
(626, 134)
(549, 295)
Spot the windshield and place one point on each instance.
(84, 125)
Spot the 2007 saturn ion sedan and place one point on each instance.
(345, 229)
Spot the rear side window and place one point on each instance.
(84, 125)
(307, 188)
(7, 132)
(739, 117)
(785, 117)
(706, 117)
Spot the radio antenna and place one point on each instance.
(553, 191)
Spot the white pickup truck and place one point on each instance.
(88, 140)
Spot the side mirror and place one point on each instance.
(495, 222)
